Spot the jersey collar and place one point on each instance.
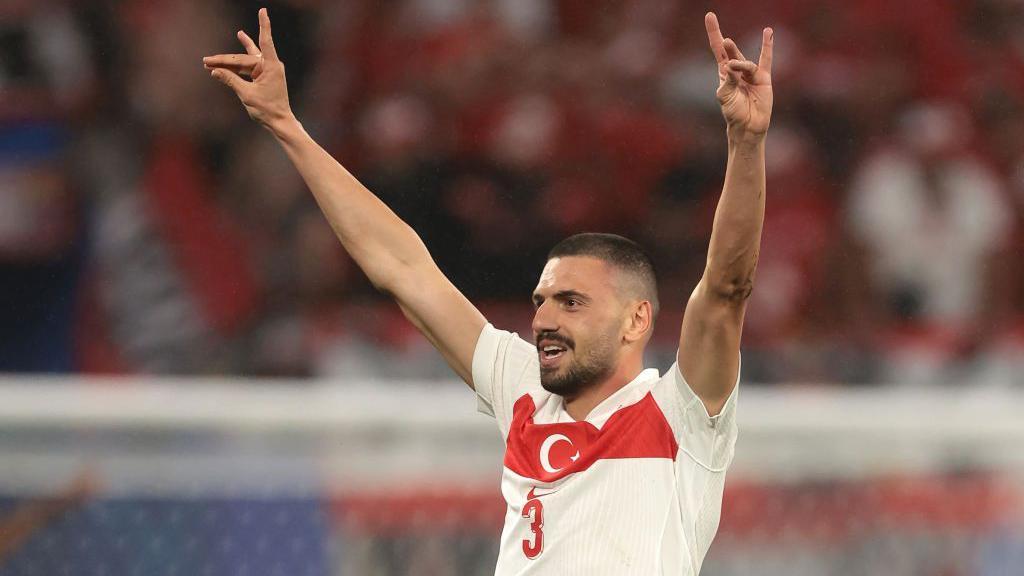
(629, 394)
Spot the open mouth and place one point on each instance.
(552, 351)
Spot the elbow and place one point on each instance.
(398, 279)
(384, 289)
(731, 280)
(390, 280)
(386, 276)
(730, 288)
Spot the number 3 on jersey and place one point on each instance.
(532, 547)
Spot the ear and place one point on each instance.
(639, 322)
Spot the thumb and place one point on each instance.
(231, 80)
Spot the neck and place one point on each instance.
(582, 404)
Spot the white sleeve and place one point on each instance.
(709, 441)
(501, 368)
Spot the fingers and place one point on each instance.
(715, 37)
(737, 66)
(266, 40)
(744, 67)
(733, 50)
(733, 65)
(236, 62)
(250, 46)
(231, 80)
(767, 43)
(730, 76)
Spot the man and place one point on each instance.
(609, 468)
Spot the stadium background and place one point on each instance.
(199, 380)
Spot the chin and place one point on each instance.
(549, 380)
(564, 381)
(559, 389)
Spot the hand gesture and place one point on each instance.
(744, 88)
(265, 97)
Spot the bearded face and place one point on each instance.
(568, 367)
(576, 326)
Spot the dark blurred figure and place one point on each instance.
(45, 76)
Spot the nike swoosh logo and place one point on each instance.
(532, 494)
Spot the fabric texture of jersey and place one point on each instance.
(636, 488)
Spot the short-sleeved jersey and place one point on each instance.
(636, 488)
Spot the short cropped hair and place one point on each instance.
(622, 253)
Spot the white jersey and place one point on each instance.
(635, 489)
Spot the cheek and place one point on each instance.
(598, 336)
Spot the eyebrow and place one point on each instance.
(562, 295)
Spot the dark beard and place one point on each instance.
(581, 374)
(575, 380)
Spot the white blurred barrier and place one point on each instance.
(153, 435)
(396, 478)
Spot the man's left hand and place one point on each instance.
(744, 88)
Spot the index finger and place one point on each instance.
(250, 46)
(715, 37)
(266, 40)
(767, 43)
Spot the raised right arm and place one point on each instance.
(389, 252)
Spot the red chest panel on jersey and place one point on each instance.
(548, 452)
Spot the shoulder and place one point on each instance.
(697, 431)
(506, 349)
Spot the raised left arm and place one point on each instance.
(709, 342)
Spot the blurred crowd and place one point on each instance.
(147, 225)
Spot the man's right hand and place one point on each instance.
(265, 97)
(388, 251)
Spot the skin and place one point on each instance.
(606, 322)
(396, 261)
(709, 339)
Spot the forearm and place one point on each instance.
(378, 240)
(736, 234)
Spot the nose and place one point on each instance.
(545, 319)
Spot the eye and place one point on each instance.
(572, 303)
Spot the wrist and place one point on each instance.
(744, 138)
(285, 128)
